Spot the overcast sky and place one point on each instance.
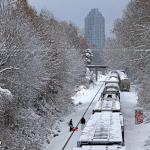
(76, 10)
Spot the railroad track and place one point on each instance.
(102, 86)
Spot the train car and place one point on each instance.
(111, 88)
(110, 102)
(104, 128)
(113, 79)
(110, 91)
(124, 82)
(115, 147)
(115, 75)
(110, 85)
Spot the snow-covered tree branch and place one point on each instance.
(40, 64)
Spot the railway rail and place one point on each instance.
(102, 86)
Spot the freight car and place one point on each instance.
(110, 102)
(124, 82)
(104, 128)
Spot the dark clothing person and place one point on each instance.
(82, 121)
(71, 125)
(70, 122)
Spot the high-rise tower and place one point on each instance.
(95, 29)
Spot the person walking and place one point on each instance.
(82, 121)
(71, 125)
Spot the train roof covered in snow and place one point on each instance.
(110, 92)
(112, 78)
(106, 96)
(122, 75)
(108, 104)
(103, 128)
(115, 75)
(111, 88)
(116, 147)
(111, 84)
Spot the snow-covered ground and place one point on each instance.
(83, 97)
(135, 135)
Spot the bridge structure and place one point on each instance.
(97, 68)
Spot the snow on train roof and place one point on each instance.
(113, 73)
(111, 89)
(116, 147)
(107, 84)
(111, 104)
(112, 79)
(110, 92)
(122, 75)
(109, 95)
(102, 128)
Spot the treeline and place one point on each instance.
(133, 33)
(40, 63)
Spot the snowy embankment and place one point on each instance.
(81, 99)
(85, 95)
(135, 135)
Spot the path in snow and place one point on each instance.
(84, 96)
(135, 135)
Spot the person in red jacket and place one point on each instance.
(72, 128)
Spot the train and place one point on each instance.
(122, 78)
(110, 102)
(124, 82)
(105, 128)
(111, 87)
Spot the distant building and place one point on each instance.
(95, 29)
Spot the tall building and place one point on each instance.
(95, 28)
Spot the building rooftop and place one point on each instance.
(95, 12)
